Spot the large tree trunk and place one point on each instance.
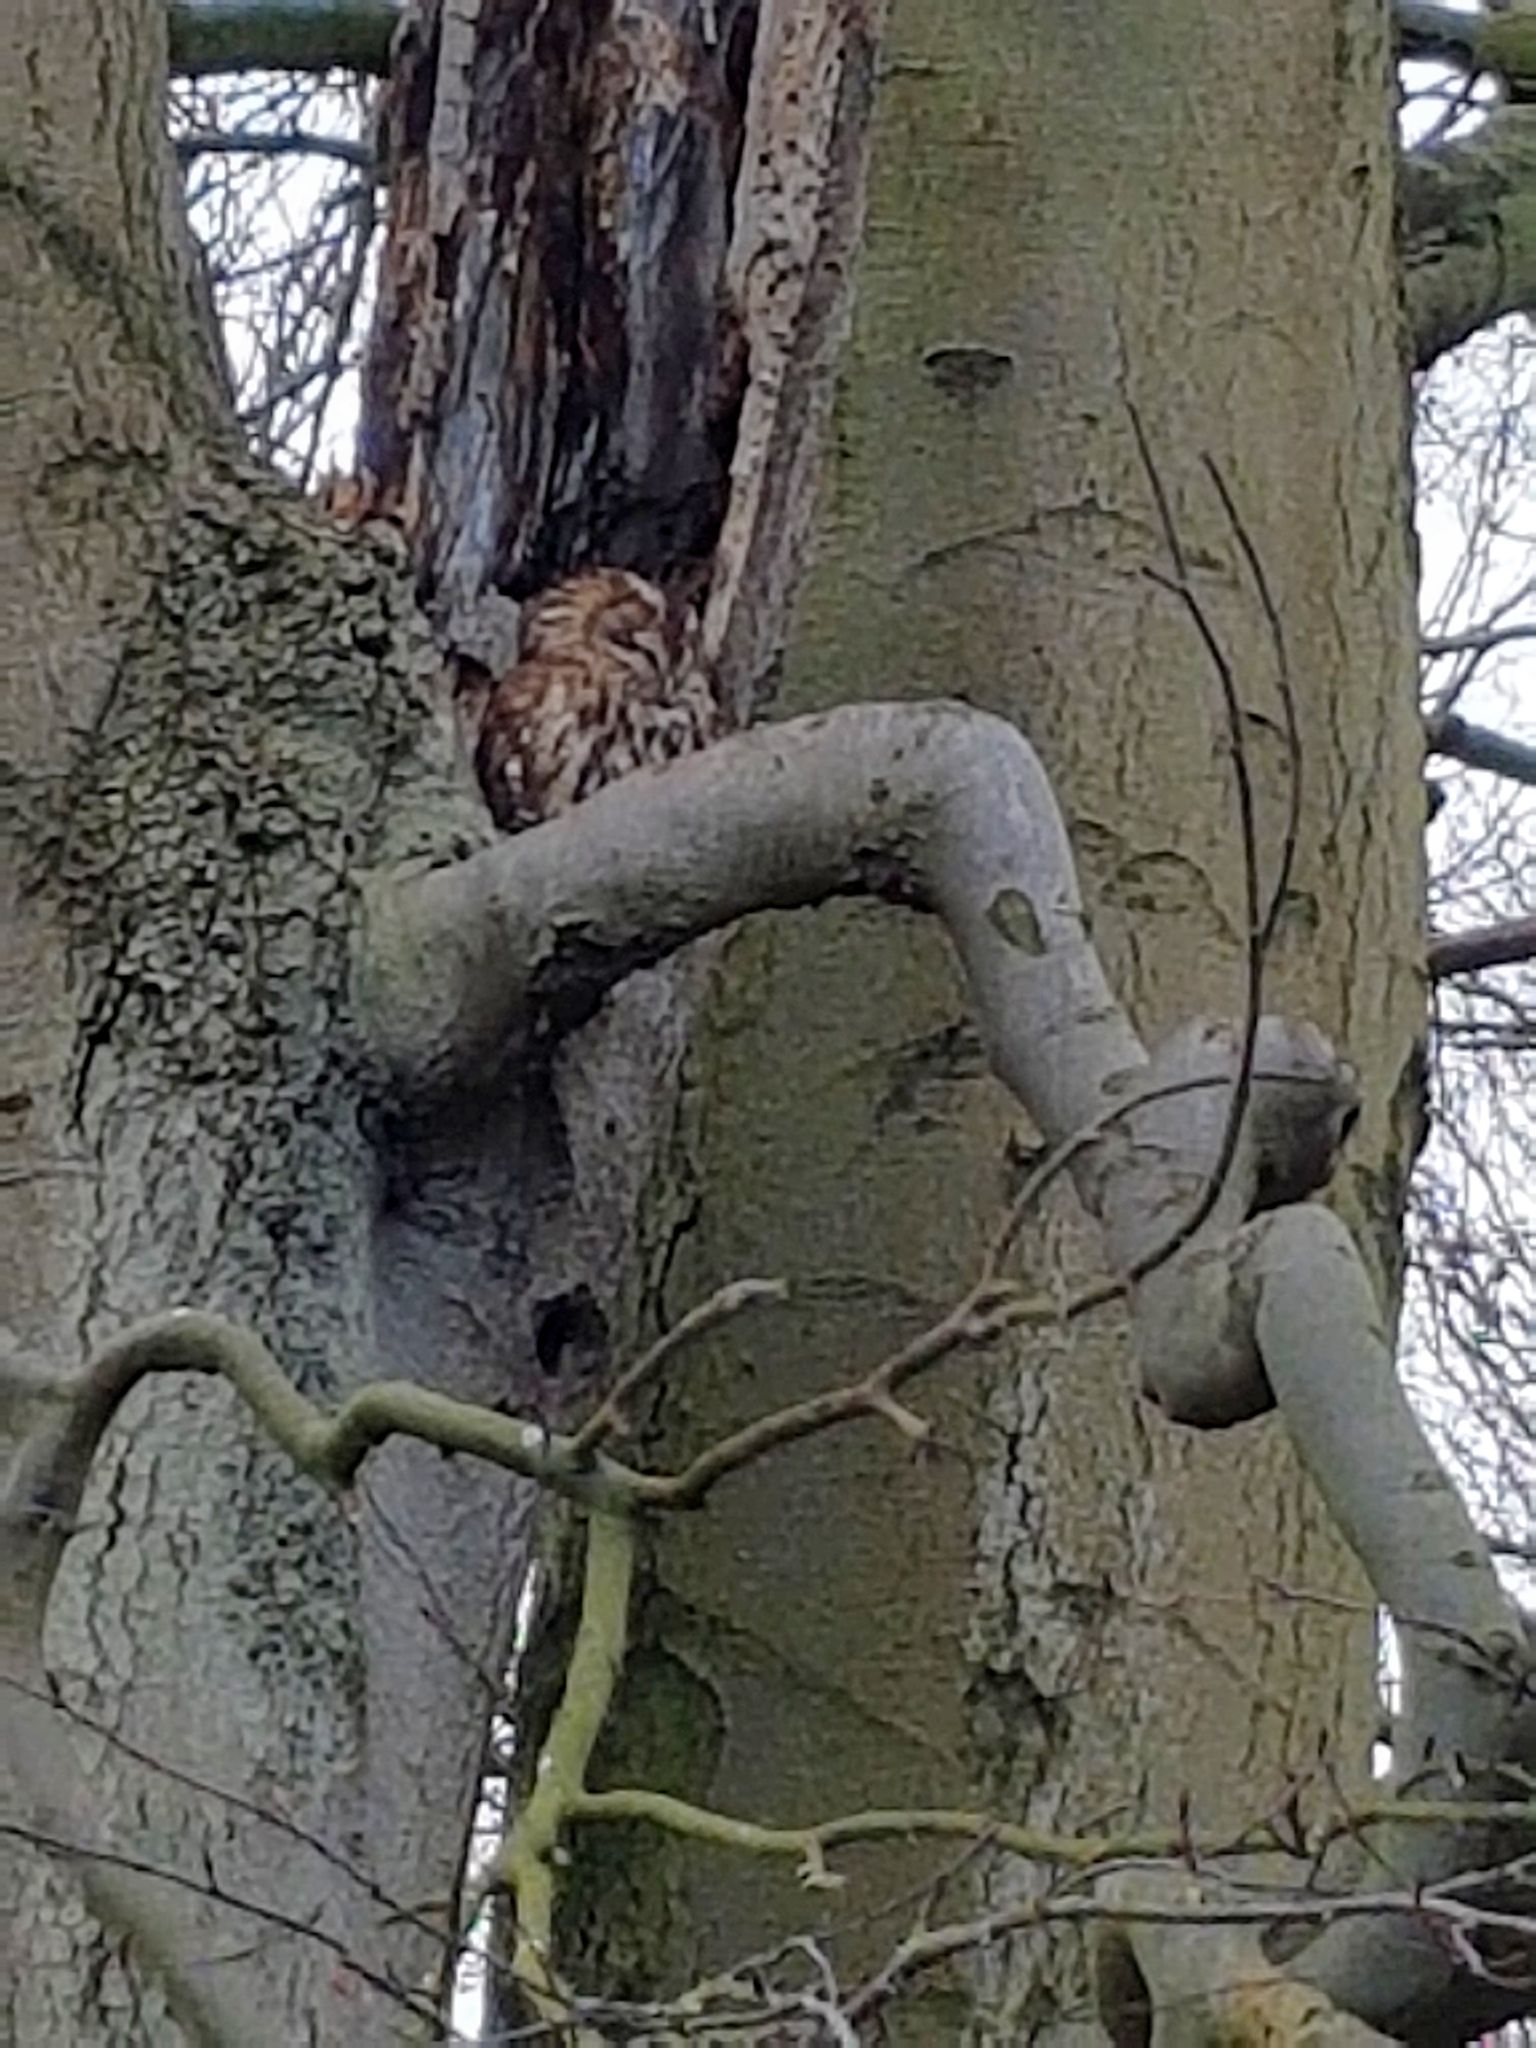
(218, 709)
(1068, 1609)
(222, 713)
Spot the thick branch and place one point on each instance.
(1466, 1664)
(934, 805)
(1469, 223)
(209, 36)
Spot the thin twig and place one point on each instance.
(208, 1887)
(1259, 923)
(199, 142)
(394, 1909)
(727, 1302)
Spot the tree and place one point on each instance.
(352, 1136)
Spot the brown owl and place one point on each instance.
(609, 677)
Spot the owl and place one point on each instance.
(609, 677)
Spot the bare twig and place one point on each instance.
(392, 1909)
(1476, 640)
(196, 142)
(1260, 923)
(984, 1314)
(727, 1302)
(207, 1886)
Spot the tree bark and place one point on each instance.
(215, 705)
(1069, 214)
(226, 715)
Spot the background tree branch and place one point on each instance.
(1490, 945)
(208, 36)
(1475, 746)
(1503, 43)
(1469, 228)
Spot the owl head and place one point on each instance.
(611, 613)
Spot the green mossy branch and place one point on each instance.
(525, 1867)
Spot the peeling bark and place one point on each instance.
(556, 368)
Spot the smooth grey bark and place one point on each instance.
(947, 810)
(1068, 208)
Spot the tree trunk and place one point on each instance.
(1067, 1609)
(219, 708)
(223, 711)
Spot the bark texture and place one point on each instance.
(1068, 212)
(556, 369)
(214, 707)
(222, 714)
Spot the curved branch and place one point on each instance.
(937, 807)
(933, 806)
(1467, 1711)
(1469, 223)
